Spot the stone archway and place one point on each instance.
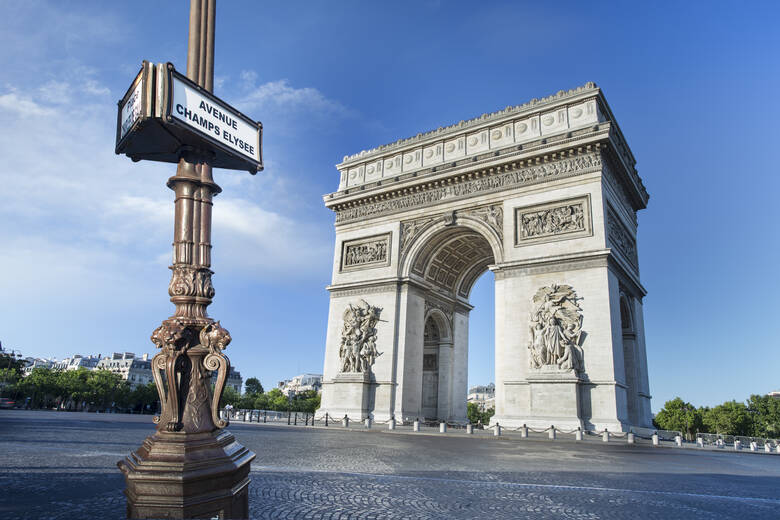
(546, 196)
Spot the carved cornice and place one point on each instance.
(533, 105)
(553, 264)
(357, 289)
(488, 180)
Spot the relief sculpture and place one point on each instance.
(552, 221)
(556, 329)
(366, 253)
(358, 338)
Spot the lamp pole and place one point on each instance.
(190, 467)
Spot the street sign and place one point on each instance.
(136, 106)
(216, 121)
(164, 113)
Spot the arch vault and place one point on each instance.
(546, 196)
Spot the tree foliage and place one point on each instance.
(477, 416)
(253, 386)
(758, 417)
(677, 415)
(80, 389)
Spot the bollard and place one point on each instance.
(655, 439)
(296, 419)
(524, 431)
(470, 429)
(678, 440)
(443, 427)
(497, 430)
(345, 421)
(307, 420)
(391, 424)
(578, 434)
(753, 445)
(737, 445)
(767, 448)
(326, 418)
(416, 425)
(605, 435)
(265, 417)
(777, 448)
(288, 418)
(700, 442)
(630, 438)
(551, 433)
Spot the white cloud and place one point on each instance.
(15, 105)
(280, 94)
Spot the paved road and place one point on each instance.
(63, 465)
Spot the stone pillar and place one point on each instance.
(190, 467)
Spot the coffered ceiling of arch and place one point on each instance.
(455, 262)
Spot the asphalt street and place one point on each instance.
(59, 465)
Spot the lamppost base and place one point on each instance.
(188, 475)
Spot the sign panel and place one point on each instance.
(130, 112)
(163, 113)
(136, 105)
(214, 119)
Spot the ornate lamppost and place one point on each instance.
(191, 467)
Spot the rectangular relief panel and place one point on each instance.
(558, 220)
(365, 253)
(620, 237)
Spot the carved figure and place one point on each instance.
(552, 221)
(556, 329)
(358, 338)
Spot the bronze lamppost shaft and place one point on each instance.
(190, 468)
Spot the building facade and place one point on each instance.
(484, 396)
(301, 383)
(134, 370)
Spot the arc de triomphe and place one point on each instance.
(545, 195)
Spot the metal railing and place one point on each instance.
(636, 435)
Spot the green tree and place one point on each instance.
(104, 388)
(677, 415)
(729, 418)
(143, 398)
(9, 380)
(9, 361)
(262, 402)
(253, 386)
(476, 416)
(764, 415)
(73, 387)
(306, 402)
(229, 396)
(41, 386)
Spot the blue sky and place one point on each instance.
(86, 234)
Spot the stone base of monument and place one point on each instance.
(180, 475)
(351, 390)
(554, 398)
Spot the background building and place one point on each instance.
(76, 362)
(234, 380)
(483, 396)
(301, 383)
(136, 371)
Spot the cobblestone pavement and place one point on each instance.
(63, 466)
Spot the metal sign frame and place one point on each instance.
(166, 101)
(146, 76)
